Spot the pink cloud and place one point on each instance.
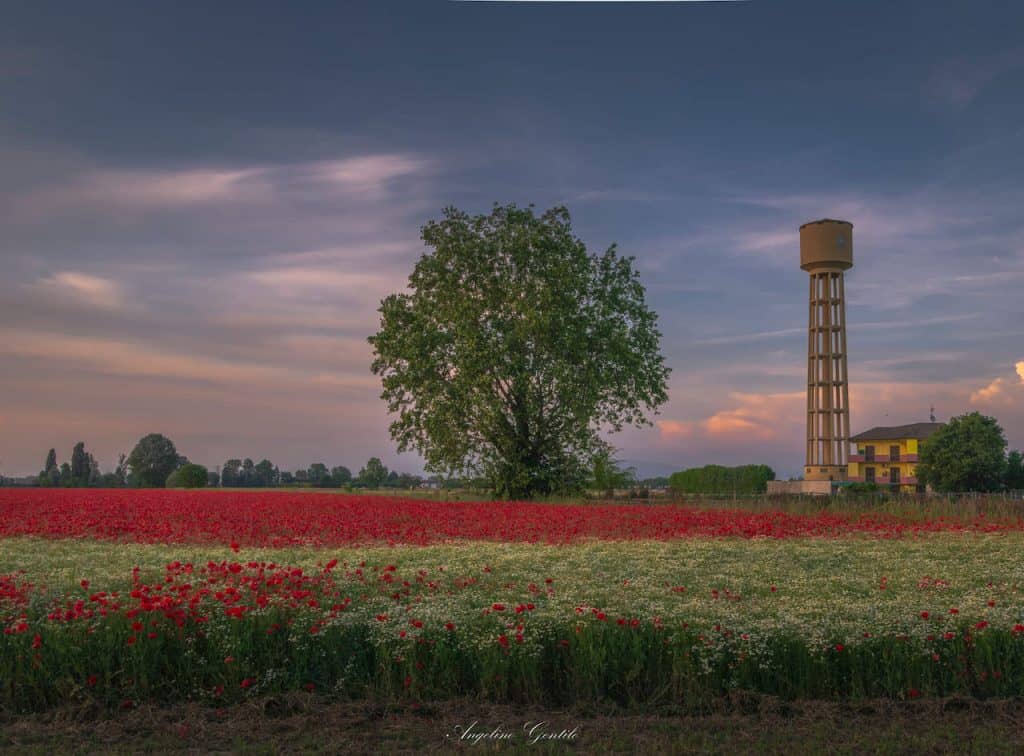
(674, 429)
(754, 417)
(94, 291)
(368, 173)
(990, 392)
(1001, 391)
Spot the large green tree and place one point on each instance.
(152, 460)
(514, 348)
(966, 454)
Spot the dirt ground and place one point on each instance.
(304, 723)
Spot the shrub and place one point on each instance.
(188, 476)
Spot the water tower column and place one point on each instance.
(826, 251)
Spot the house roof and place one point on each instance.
(891, 433)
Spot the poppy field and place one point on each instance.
(280, 519)
(123, 597)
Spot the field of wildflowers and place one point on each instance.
(125, 597)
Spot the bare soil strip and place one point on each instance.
(742, 724)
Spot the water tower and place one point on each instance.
(826, 251)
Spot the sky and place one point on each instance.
(202, 204)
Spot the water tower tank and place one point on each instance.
(826, 245)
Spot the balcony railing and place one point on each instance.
(881, 459)
(883, 481)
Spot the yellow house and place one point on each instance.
(888, 456)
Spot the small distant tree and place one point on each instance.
(50, 476)
(966, 454)
(374, 473)
(248, 474)
(212, 479)
(121, 471)
(152, 460)
(1015, 471)
(408, 482)
(94, 471)
(608, 474)
(110, 480)
(79, 465)
(189, 475)
(266, 473)
(342, 475)
(230, 474)
(318, 473)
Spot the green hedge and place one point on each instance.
(716, 479)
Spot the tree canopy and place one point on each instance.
(152, 460)
(374, 474)
(188, 476)
(966, 454)
(607, 474)
(514, 349)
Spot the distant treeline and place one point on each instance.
(155, 463)
(244, 473)
(716, 479)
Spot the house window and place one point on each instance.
(869, 475)
(894, 453)
(869, 453)
(894, 476)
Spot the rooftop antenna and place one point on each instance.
(931, 413)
